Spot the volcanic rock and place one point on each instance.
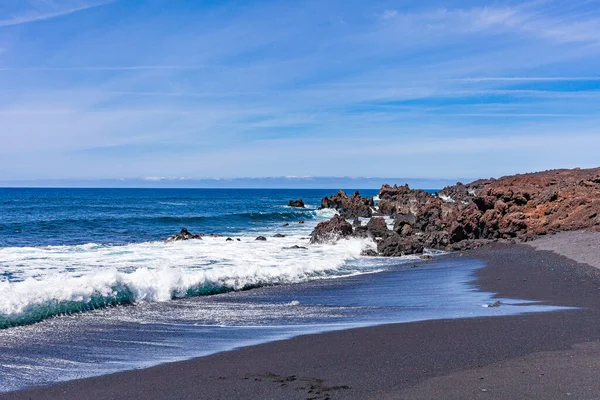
(512, 208)
(396, 246)
(349, 207)
(296, 247)
(402, 221)
(369, 253)
(184, 234)
(377, 228)
(296, 203)
(332, 230)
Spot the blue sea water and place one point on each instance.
(51, 217)
(88, 286)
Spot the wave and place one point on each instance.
(61, 280)
(216, 218)
(138, 228)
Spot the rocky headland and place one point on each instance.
(512, 208)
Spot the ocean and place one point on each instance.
(88, 286)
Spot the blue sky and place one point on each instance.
(167, 89)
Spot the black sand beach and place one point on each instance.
(550, 355)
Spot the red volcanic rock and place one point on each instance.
(538, 203)
(404, 200)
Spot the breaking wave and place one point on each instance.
(42, 282)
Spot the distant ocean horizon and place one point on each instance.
(156, 182)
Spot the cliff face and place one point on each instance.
(517, 208)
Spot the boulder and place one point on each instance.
(261, 238)
(361, 232)
(369, 253)
(377, 228)
(332, 230)
(184, 234)
(296, 247)
(278, 235)
(395, 246)
(296, 203)
(403, 220)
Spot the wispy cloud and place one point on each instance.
(115, 68)
(213, 89)
(531, 79)
(34, 16)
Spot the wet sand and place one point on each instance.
(552, 355)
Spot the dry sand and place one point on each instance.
(583, 247)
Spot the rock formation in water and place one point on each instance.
(184, 234)
(349, 207)
(296, 203)
(332, 230)
(511, 208)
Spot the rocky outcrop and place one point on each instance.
(349, 207)
(184, 234)
(332, 230)
(296, 203)
(513, 208)
(377, 228)
(396, 245)
(524, 206)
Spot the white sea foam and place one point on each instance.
(446, 199)
(326, 213)
(44, 281)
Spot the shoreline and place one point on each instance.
(373, 362)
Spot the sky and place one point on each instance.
(174, 90)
